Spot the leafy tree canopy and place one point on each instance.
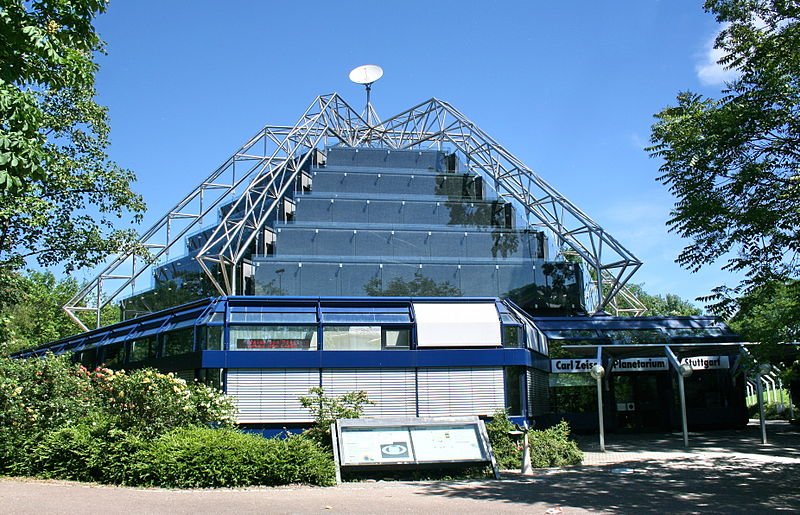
(770, 314)
(35, 317)
(664, 305)
(733, 163)
(61, 197)
(46, 48)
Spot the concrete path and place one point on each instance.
(723, 472)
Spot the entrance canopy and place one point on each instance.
(625, 337)
(683, 350)
(604, 344)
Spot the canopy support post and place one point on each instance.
(681, 391)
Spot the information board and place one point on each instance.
(411, 441)
(376, 445)
(453, 443)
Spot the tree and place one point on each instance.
(733, 163)
(36, 317)
(770, 314)
(61, 197)
(664, 305)
(46, 48)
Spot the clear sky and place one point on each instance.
(568, 87)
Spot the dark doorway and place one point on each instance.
(641, 401)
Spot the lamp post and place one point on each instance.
(598, 372)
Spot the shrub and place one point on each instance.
(328, 409)
(151, 403)
(549, 447)
(42, 394)
(201, 457)
(37, 396)
(772, 411)
(68, 453)
(61, 420)
(552, 447)
(507, 452)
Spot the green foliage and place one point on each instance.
(61, 197)
(732, 163)
(199, 457)
(38, 396)
(507, 450)
(58, 420)
(664, 305)
(772, 411)
(552, 447)
(35, 317)
(95, 449)
(47, 50)
(48, 405)
(328, 409)
(770, 314)
(150, 403)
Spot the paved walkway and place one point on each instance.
(722, 472)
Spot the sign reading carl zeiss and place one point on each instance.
(578, 365)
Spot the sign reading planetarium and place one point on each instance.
(579, 365)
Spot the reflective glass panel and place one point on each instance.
(397, 338)
(352, 338)
(274, 338)
(179, 342)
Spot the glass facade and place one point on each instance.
(381, 222)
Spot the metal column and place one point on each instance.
(598, 372)
(683, 371)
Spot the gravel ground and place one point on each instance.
(722, 472)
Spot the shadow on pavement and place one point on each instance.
(737, 475)
(683, 485)
(783, 439)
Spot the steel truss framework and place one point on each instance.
(268, 165)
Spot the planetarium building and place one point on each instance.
(413, 258)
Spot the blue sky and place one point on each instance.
(568, 87)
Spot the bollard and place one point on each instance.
(527, 468)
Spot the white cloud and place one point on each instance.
(709, 71)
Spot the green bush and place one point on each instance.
(507, 451)
(60, 420)
(42, 394)
(326, 410)
(771, 411)
(300, 459)
(552, 447)
(200, 457)
(150, 403)
(93, 450)
(38, 396)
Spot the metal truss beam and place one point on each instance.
(271, 149)
(435, 123)
(329, 116)
(265, 167)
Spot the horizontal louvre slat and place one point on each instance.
(392, 390)
(538, 393)
(460, 391)
(271, 395)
